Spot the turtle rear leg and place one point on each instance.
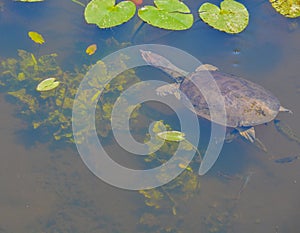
(248, 133)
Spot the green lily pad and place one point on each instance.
(168, 14)
(173, 136)
(47, 84)
(105, 14)
(231, 17)
(288, 8)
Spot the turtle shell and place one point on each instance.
(246, 103)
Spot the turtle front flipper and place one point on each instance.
(248, 133)
(169, 89)
(207, 67)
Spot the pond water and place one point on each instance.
(46, 187)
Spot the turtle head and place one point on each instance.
(164, 64)
(151, 58)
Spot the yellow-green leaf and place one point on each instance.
(288, 8)
(91, 49)
(36, 37)
(173, 136)
(47, 84)
(230, 17)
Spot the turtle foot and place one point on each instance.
(248, 133)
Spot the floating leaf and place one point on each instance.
(91, 49)
(288, 8)
(106, 14)
(36, 37)
(47, 84)
(232, 17)
(168, 14)
(173, 136)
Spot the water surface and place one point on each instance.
(50, 189)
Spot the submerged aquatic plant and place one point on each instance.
(46, 105)
(176, 136)
(172, 197)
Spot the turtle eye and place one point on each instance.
(179, 79)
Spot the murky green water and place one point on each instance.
(45, 187)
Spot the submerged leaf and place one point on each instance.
(105, 14)
(168, 14)
(47, 84)
(149, 220)
(36, 37)
(159, 126)
(231, 17)
(91, 49)
(288, 159)
(288, 8)
(25, 98)
(153, 197)
(173, 136)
